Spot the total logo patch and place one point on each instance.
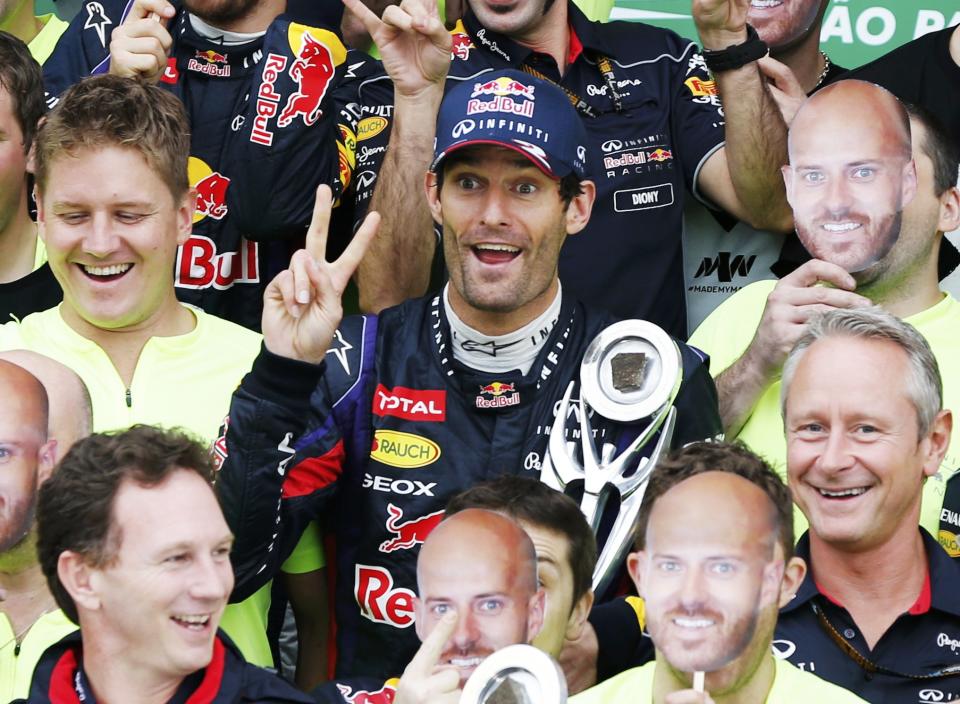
(404, 450)
(497, 394)
(410, 404)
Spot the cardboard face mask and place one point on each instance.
(849, 178)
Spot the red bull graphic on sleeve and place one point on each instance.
(384, 695)
(497, 395)
(312, 71)
(316, 53)
(408, 534)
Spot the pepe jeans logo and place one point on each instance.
(943, 640)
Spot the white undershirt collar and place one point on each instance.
(500, 353)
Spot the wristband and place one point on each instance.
(737, 55)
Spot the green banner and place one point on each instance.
(853, 31)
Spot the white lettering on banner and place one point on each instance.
(933, 21)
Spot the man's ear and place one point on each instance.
(535, 611)
(636, 566)
(949, 210)
(908, 185)
(46, 461)
(41, 214)
(934, 445)
(77, 577)
(787, 171)
(793, 573)
(419, 618)
(432, 188)
(578, 212)
(185, 210)
(578, 617)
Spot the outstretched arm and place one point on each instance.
(744, 177)
(415, 49)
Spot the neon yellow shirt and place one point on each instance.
(181, 381)
(42, 45)
(727, 332)
(16, 668)
(791, 685)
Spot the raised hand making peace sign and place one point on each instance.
(302, 305)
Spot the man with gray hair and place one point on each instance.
(865, 427)
(845, 175)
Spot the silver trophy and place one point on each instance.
(630, 372)
(517, 674)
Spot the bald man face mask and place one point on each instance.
(482, 567)
(850, 174)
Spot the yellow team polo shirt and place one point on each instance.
(728, 331)
(17, 664)
(791, 685)
(42, 45)
(183, 381)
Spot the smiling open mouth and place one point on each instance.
(844, 493)
(105, 273)
(192, 622)
(495, 253)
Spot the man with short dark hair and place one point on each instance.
(26, 283)
(711, 596)
(136, 552)
(566, 549)
(346, 411)
(566, 554)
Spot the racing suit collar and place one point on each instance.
(68, 682)
(516, 54)
(240, 57)
(489, 391)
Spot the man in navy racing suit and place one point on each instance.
(375, 424)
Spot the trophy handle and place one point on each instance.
(620, 540)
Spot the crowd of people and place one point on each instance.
(288, 333)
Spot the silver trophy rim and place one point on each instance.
(516, 658)
(591, 390)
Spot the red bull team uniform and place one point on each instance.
(221, 267)
(653, 117)
(376, 440)
(228, 679)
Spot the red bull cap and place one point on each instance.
(513, 109)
